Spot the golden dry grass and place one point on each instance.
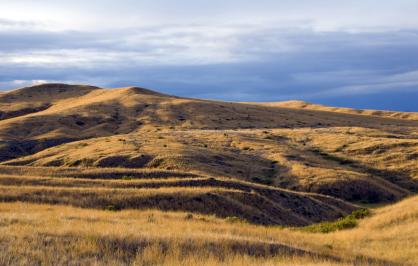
(332, 153)
(45, 234)
(356, 164)
(219, 196)
(179, 176)
(310, 106)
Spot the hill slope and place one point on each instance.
(45, 234)
(167, 190)
(311, 106)
(358, 158)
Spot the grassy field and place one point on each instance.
(129, 176)
(46, 234)
(356, 164)
(167, 190)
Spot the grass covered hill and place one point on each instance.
(132, 176)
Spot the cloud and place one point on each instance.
(21, 83)
(6, 23)
(325, 15)
(187, 45)
(157, 45)
(401, 82)
(293, 57)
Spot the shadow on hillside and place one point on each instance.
(12, 149)
(402, 180)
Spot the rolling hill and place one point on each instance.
(355, 157)
(182, 161)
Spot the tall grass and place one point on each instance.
(49, 235)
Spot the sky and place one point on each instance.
(357, 53)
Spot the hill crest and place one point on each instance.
(297, 104)
(56, 91)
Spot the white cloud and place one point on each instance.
(172, 45)
(324, 15)
(21, 83)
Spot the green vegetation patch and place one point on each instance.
(347, 222)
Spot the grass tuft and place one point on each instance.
(347, 222)
(113, 208)
(234, 219)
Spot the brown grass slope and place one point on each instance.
(130, 157)
(58, 235)
(339, 162)
(90, 112)
(37, 98)
(168, 190)
(359, 158)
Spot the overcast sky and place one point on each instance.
(361, 54)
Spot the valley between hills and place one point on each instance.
(130, 176)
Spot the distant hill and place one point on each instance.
(311, 106)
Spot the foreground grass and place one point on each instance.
(33, 234)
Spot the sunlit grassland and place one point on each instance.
(32, 233)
